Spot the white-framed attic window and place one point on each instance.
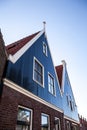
(44, 48)
(38, 72)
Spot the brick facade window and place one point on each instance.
(24, 119)
(57, 124)
(68, 127)
(45, 122)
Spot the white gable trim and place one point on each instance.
(18, 54)
(18, 88)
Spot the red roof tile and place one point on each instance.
(59, 70)
(14, 47)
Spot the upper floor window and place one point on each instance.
(70, 102)
(44, 122)
(38, 72)
(51, 84)
(44, 48)
(24, 119)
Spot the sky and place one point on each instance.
(66, 28)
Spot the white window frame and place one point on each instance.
(43, 114)
(45, 52)
(56, 118)
(31, 114)
(35, 59)
(53, 86)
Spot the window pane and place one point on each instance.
(44, 122)
(23, 115)
(45, 49)
(23, 119)
(51, 84)
(38, 72)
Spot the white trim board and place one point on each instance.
(68, 118)
(18, 54)
(29, 94)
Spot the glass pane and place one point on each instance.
(40, 69)
(38, 73)
(44, 121)
(36, 65)
(40, 79)
(44, 48)
(35, 75)
(23, 115)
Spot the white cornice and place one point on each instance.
(29, 94)
(70, 119)
(18, 54)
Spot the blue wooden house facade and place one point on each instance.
(39, 95)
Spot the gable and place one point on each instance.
(21, 71)
(69, 104)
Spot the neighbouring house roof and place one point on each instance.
(16, 46)
(59, 70)
(3, 56)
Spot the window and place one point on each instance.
(57, 123)
(51, 84)
(38, 72)
(44, 48)
(44, 122)
(68, 125)
(70, 102)
(24, 119)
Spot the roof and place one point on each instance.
(16, 46)
(59, 70)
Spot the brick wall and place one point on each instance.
(83, 123)
(9, 105)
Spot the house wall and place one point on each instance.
(9, 107)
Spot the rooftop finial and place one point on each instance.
(44, 24)
(64, 62)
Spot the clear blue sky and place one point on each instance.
(66, 31)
